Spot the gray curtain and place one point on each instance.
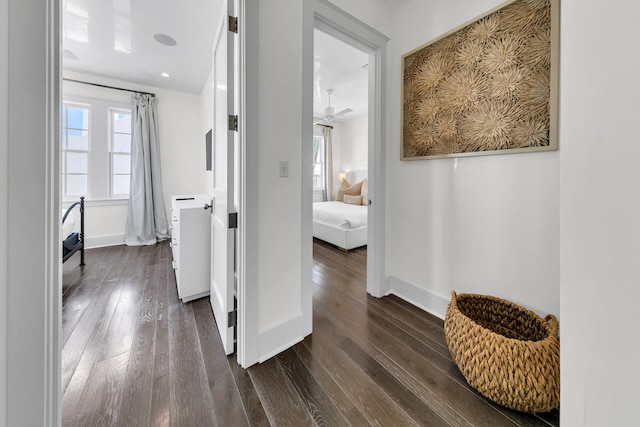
(146, 216)
(328, 164)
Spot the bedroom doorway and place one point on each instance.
(340, 154)
(326, 18)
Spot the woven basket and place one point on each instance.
(506, 352)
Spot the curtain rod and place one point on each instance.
(326, 126)
(109, 87)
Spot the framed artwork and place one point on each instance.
(489, 86)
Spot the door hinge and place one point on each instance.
(233, 122)
(232, 319)
(233, 24)
(233, 220)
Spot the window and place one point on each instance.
(75, 150)
(96, 149)
(120, 152)
(318, 163)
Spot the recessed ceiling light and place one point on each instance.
(165, 39)
(165, 75)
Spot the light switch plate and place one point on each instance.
(284, 168)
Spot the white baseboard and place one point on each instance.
(102, 241)
(422, 298)
(280, 337)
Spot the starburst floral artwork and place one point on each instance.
(488, 87)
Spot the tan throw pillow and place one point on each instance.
(352, 200)
(343, 186)
(364, 192)
(346, 188)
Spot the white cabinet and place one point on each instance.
(191, 245)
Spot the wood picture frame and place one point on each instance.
(489, 86)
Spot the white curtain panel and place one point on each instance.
(146, 217)
(328, 164)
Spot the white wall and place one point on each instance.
(182, 150)
(354, 147)
(280, 222)
(484, 224)
(600, 213)
(4, 141)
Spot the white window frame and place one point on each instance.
(320, 161)
(64, 163)
(99, 185)
(112, 152)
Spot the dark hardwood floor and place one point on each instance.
(134, 355)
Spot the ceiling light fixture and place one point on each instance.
(165, 39)
(165, 75)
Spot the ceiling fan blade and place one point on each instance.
(343, 112)
(318, 122)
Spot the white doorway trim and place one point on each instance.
(324, 16)
(34, 260)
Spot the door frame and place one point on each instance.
(326, 17)
(34, 268)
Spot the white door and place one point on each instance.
(222, 205)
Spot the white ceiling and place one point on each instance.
(115, 38)
(338, 66)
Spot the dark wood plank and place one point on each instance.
(250, 399)
(320, 405)
(374, 404)
(411, 404)
(340, 399)
(282, 403)
(99, 403)
(136, 402)
(160, 407)
(190, 400)
(119, 336)
(229, 409)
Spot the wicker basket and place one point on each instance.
(506, 352)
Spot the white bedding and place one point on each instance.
(340, 214)
(68, 225)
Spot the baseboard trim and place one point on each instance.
(102, 241)
(420, 297)
(280, 337)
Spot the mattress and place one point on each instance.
(68, 225)
(340, 214)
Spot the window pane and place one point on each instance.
(76, 185)
(78, 118)
(122, 143)
(121, 163)
(120, 184)
(77, 140)
(122, 123)
(77, 163)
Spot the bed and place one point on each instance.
(341, 224)
(73, 241)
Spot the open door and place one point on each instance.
(223, 212)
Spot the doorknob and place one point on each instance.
(208, 206)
